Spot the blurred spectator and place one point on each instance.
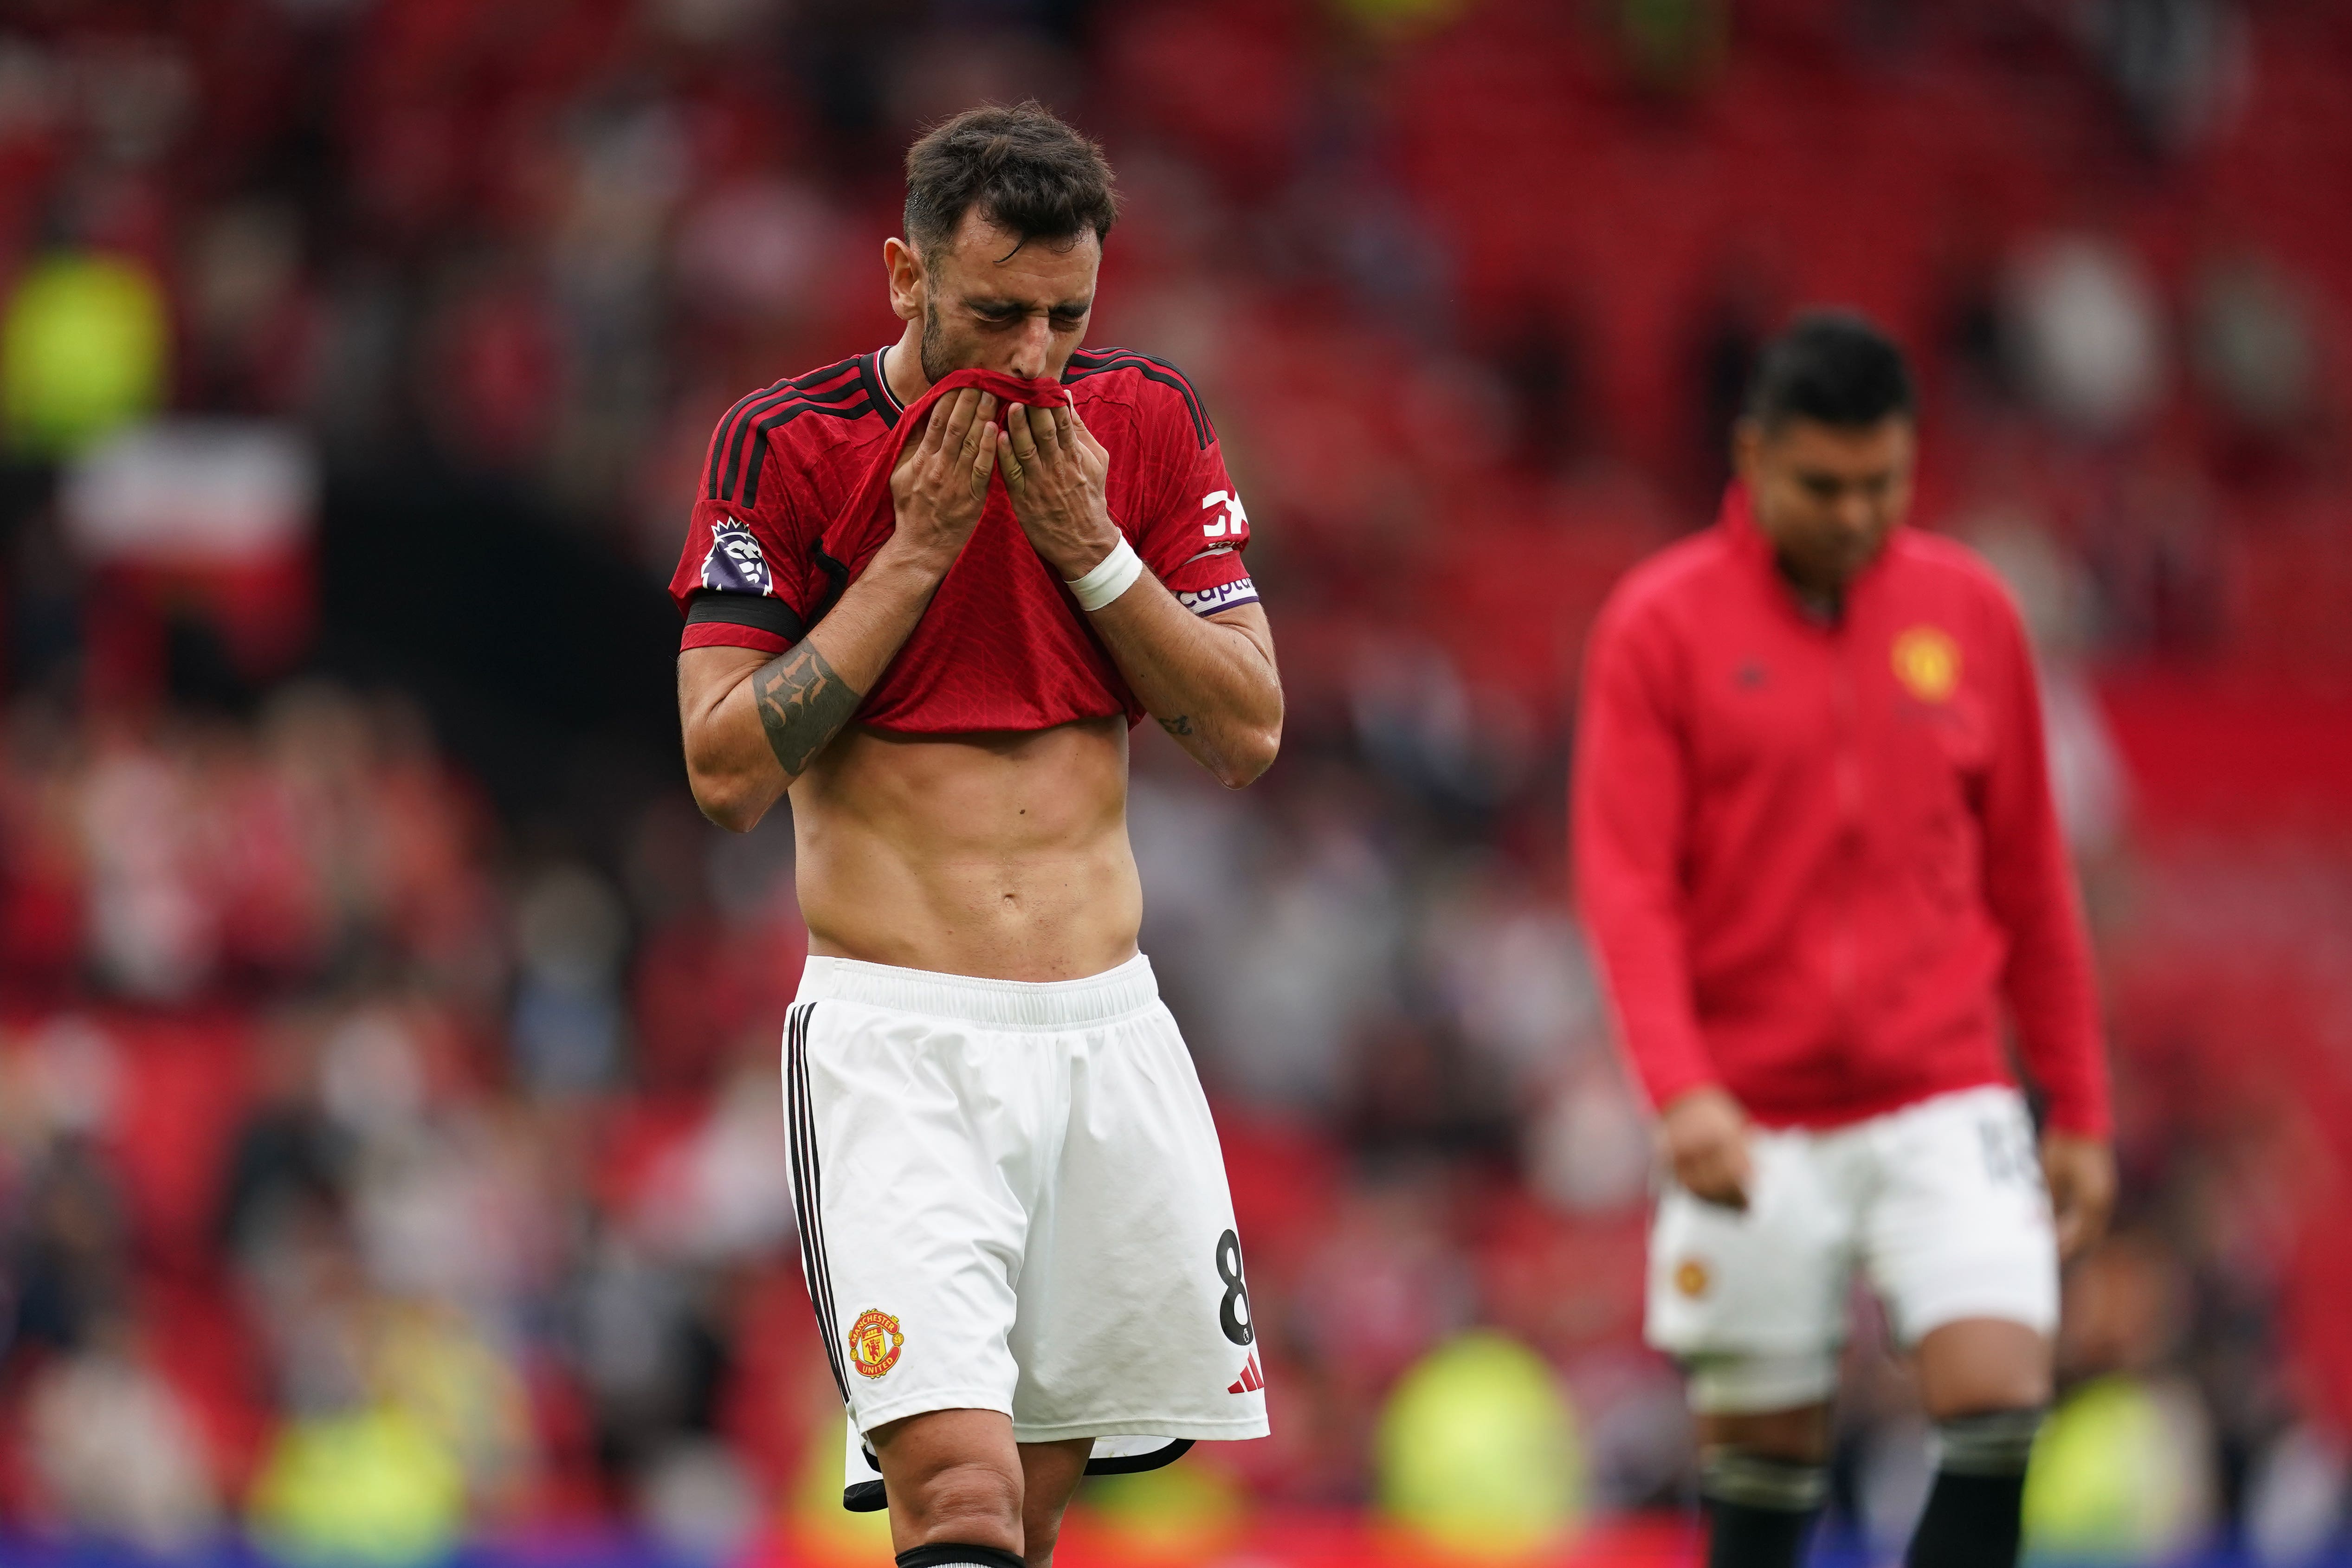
(2181, 64)
(2255, 343)
(2054, 596)
(365, 1486)
(2088, 333)
(116, 1454)
(83, 350)
(1307, 961)
(570, 933)
(195, 526)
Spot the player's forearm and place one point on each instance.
(756, 730)
(1210, 682)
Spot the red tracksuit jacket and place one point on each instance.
(1813, 857)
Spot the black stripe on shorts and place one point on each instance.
(808, 1191)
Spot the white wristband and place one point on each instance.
(1112, 576)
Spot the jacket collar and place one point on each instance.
(1736, 518)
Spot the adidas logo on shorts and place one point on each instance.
(1252, 1379)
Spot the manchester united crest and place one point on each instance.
(1928, 661)
(874, 1343)
(1691, 1277)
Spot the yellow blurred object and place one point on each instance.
(84, 350)
(823, 1534)
(1478, 1454)
(2115, 1478)
(363, 1487)
(428, 1362)
(1186, 1512)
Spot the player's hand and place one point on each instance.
(1058, 474)
(941, 481)
(2081, 1176)
(1704, 1135)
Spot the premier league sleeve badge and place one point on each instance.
(735, 564)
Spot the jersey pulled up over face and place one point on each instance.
(778, 532)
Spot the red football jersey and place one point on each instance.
(795, 502)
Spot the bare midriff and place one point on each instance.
(1001, 855)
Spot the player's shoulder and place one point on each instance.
(1950, 567)
(805, 418)
(1152, 386)
(1944, 556)
(1669, 580)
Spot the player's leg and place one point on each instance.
(954, 1477)
(1763, 1472)
(1986, 1382)
(1050, 1473)
(961, 1491)
(1753, 1303)
(1960, 1245)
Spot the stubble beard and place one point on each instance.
(936, 368)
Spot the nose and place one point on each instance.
(1857, 515)
(1032, 351)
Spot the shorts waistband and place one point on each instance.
(1000, 1004)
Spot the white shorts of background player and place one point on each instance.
(1021, 1184)
(1941, 1205)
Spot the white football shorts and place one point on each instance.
(1941, 1205)
(1010, 1197)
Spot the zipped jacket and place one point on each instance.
(1816, 857)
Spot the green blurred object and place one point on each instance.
(84, 350)
(2112, 1479)
(1674, 45)
(368, 1487)
(1400, 16)
(1478, 1451)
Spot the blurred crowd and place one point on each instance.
(383, 1158)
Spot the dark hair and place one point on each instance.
(1834, 365)
(1028, 173)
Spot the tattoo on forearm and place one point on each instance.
(1179, 725)
(803, 704)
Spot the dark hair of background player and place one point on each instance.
(1028, 173)
(1833, 367)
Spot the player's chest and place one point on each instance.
(1895, 693)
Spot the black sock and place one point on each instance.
(948, 1555)
(1757, 1510)
(1739, 1536)
(1972, 1518)
(1972, 1522)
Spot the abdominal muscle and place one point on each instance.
(1002, 855)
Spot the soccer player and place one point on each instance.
(928, 590)
(1815, 849)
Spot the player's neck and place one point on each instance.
(1824, 603)
(902, 366)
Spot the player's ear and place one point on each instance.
(908, 280)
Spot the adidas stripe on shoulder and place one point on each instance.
(1088, 362)
(734, 461)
